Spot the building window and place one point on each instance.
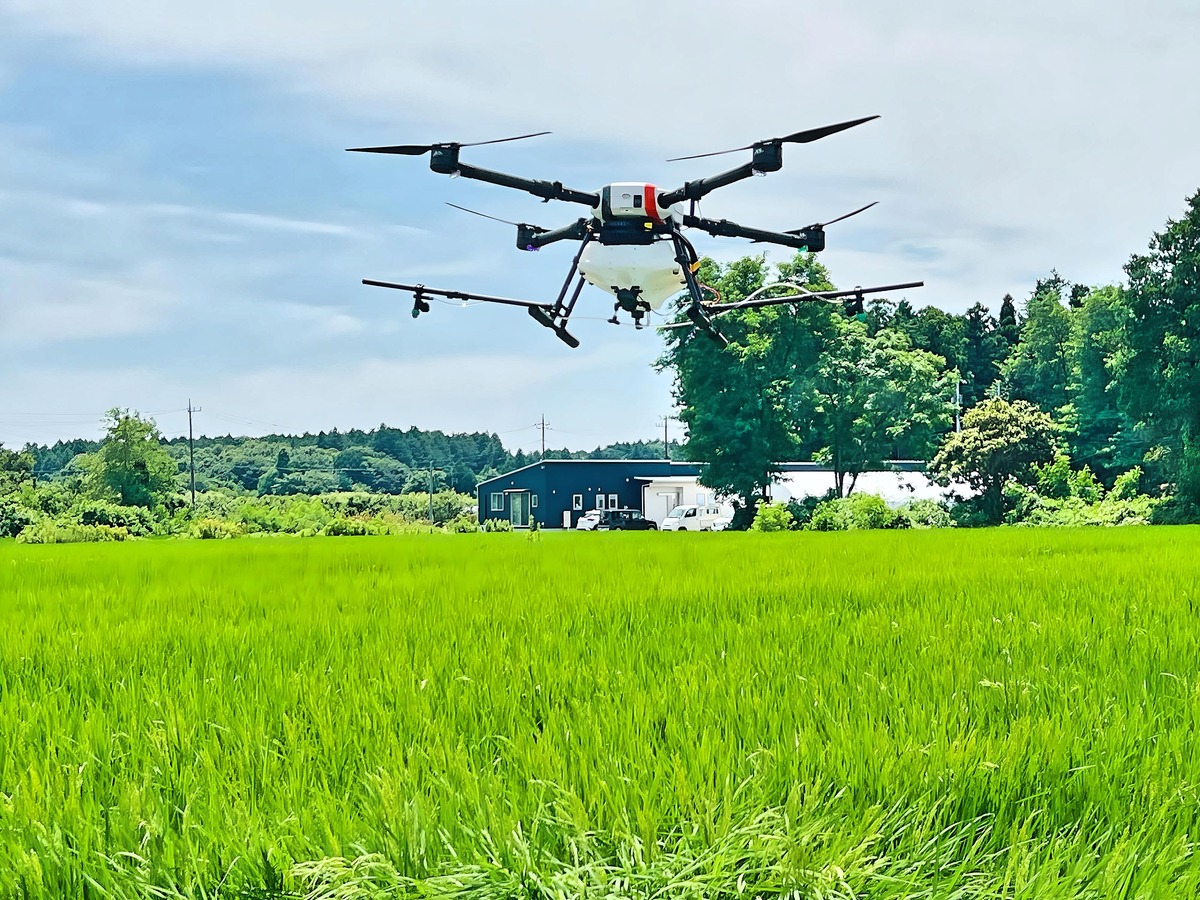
(497, 503)
(599, 501)
(613, 501)
(533, 501)
(577, 502)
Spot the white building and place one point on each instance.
(906, 481)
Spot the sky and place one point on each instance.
(179, 220)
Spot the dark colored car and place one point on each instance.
(625, 520)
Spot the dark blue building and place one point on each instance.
(556, 492)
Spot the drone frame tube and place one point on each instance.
(529, 239)
(443, 159)
(815, 295)
(807, 239)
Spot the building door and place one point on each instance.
(518, 509)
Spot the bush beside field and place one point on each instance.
(41, 517)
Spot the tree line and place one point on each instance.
(1107, 377)
(383, 460)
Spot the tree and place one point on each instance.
(1008, 328)
(937, 332)
(865, 394)
(984, 350)
(999, 442)
(15, 469)
(1157, 370)
(131, 466)
(1098, 432)
(734, 400)
(1039, 368)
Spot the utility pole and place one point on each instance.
(666, 443)
(543, 426)
(958, 406)
(431, 493)
(192, 449)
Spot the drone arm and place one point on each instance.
(694, 190)
(547, 190)
(529, 238)
(812, 238)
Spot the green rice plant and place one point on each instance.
(871, 714)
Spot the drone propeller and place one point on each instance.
(476, 212)
(799, 137)
(831, 221)
(418, 149)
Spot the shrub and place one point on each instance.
(773, 517)
(346, 527)
(497, 525)
(924, 514)
(830, 515)
(215, 529)
(463, 523)
(136, 520)
(14, 518)
(50, 532)
(858, 511)
(869, 511)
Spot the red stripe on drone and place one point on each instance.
(651, 207)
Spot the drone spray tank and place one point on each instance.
(633, 257)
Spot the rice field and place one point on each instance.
(996, 713)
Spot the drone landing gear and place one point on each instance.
(695, 311)
(556, 317)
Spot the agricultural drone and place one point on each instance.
(632, 243)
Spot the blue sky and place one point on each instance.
(178, 218)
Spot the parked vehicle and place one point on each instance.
(589, 520)
(615, 520)
(626, 520)
(692, 518)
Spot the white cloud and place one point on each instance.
(1039, 120)
(37, 308)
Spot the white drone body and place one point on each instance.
(649, 271)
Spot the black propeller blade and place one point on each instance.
(831, 221)
(476, 212)
(799, 137)
(418, 149)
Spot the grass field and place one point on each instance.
(875, 715)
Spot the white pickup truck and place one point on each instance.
(693, 518)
